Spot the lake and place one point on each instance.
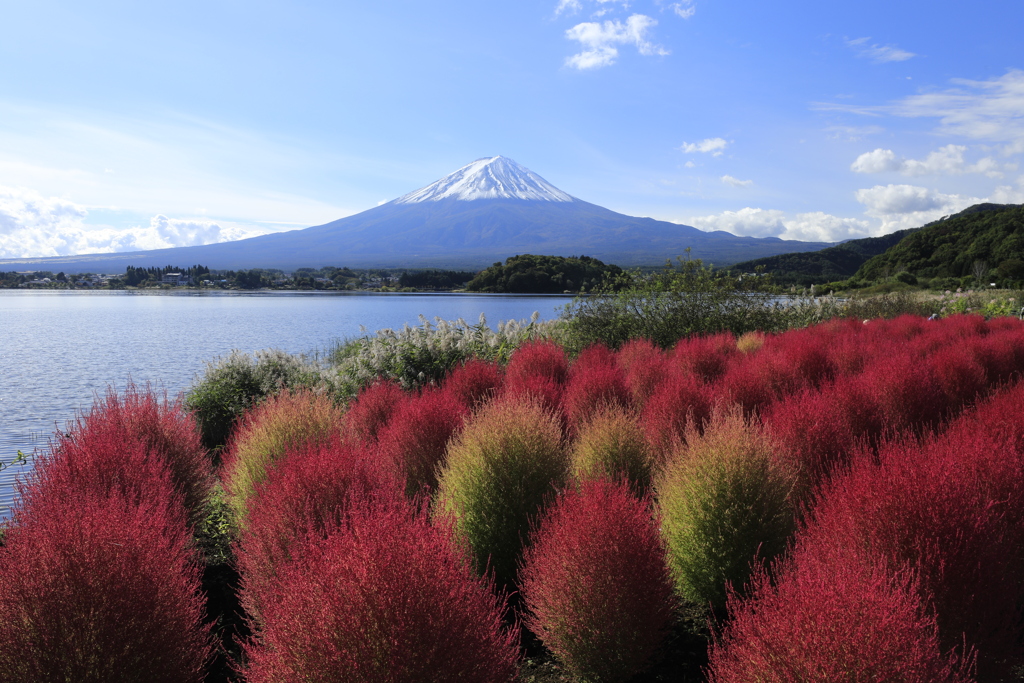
(60, 349)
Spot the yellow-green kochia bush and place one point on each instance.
(612, 445)
(725, 499)
(508, 460)
(280, 424)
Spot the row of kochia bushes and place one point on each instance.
(846, 501)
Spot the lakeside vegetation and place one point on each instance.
(576, 499)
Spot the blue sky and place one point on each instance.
(139, 125)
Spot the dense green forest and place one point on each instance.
(435, 279)
(531, 274)
(984, 243)
(815, 267)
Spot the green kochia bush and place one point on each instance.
(611, 444)
(725, 500)
(233, 384)
(596, 584)
(500, 470)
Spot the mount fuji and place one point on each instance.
(486, 211)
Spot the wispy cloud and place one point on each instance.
(948, 160)
(879, 54)
(600, 40)
(712, 146)
(736, 182)
(684, 9)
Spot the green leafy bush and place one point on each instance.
(725, 501)
(233, 384)
(500, 469)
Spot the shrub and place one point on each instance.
(500, 469)
(680, 400)
(310, 493)
(952, 512)
(705, 356)
(283, 422)
(725, 501)
(612, 445)
(644, 365)
(543, 358)
(595, 382)
(595, 582)
(129, 445)
(232, 385)
(750, 342)
(474, 382)
(168, 431)
(842, 620)
(101, 588)
(371, 410)
(415, 438)
(389, 599)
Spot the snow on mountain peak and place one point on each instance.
(488, 178)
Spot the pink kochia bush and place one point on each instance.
(538, 369)
(595, 383)
(834, 617)
(595, 582)
(388, 599)
(98, 587)
(310, 494)
(123, 444)
(415, 438)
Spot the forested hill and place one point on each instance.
(532, 274)
(984, 236)
(828, 265)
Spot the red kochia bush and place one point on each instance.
(835, 619)
(595, 383)
(371, 410)
(415, 438)
(596, 583)
(706, 357)
(952, 511)
(100, 588)
(644, 365)
(474, 382)
(389, 599)
(310, 493)
(538, 369)
(679, 400)
(125, 441)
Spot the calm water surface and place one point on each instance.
(58, 350)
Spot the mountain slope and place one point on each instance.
(828, 265)
(486, 211)
(988, 233)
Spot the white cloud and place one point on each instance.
(1007, 194)
(909, 206)
(948, 160)
(736, 182)
(809, 227)
(714, 146)
(690, 164)
(571, 6)
(684, 9)
(879, 54)
(599, 41)
(32, 225)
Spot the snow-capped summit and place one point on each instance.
(488, 178)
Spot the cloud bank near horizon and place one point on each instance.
(32, 225)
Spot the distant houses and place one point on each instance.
(175, 279)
